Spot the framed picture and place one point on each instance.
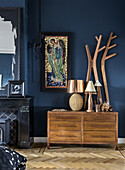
(55, 60)
(16, 88)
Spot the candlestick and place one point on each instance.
(0, 80)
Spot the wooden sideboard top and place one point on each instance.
(81, 112)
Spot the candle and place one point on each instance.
(0, 80)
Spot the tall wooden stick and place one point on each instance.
(92, 65)
(105, 57)
(95, 67)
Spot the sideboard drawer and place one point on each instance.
(65, 136)
(65, 125)
(65, 117)
(99, 117)
(100, 136)
(99, 125)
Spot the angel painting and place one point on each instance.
(56, 61)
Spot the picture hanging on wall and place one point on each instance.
(16, 88)
(55, 60)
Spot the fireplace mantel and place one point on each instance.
(21, 111)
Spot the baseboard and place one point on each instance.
(40, 139)
(44, 140)
(121, 140)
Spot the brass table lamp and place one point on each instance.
(76, 100)
(90, 89)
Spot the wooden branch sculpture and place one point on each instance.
(105, 57)
(92, 64)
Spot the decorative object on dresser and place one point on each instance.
(105, 107)
(16, 88)
(104, 58)
(59, 110)
(97, 84)
(90, 89)
(76, 100)
(92, 64)
(97, 106)
(79, 127)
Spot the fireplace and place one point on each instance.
(20, 113)
(4, 131)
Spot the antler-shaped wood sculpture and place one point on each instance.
(92, 64)
(105, 57)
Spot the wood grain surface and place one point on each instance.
(82, 128)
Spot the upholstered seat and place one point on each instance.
(11, 160)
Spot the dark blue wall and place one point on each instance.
(84, 19)
(12, 3)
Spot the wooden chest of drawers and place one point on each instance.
(82, 128)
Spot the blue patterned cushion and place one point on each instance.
(11, 160)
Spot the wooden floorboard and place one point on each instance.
(73, 157)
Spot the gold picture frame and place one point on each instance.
(55, 59)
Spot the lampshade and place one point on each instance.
(90, 87)
(97, 83)
(75, 86)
